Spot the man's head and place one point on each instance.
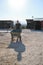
(17, 21)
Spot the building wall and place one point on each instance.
(35, 24)
(42, 25)
(30, 23)
(5, 24)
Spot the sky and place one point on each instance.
(21, 9)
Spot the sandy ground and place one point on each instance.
(27, 52)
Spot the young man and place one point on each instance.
(18, 29)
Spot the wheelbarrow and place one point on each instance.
(17, 33)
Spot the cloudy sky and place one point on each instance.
(21, 9)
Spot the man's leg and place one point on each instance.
(20, 36)
(12, 36)
(17, 38)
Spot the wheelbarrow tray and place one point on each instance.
(15, 32)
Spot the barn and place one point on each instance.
(6, 24)
(36, 24)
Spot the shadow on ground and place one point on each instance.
(18, 47)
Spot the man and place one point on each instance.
(18, 30)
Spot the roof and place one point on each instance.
(6, 21)
(38, 19)
(29, 19)
(35, 19)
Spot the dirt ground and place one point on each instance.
(27, 52)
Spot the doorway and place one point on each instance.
(38, 25)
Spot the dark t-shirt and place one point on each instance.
(18, 26)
